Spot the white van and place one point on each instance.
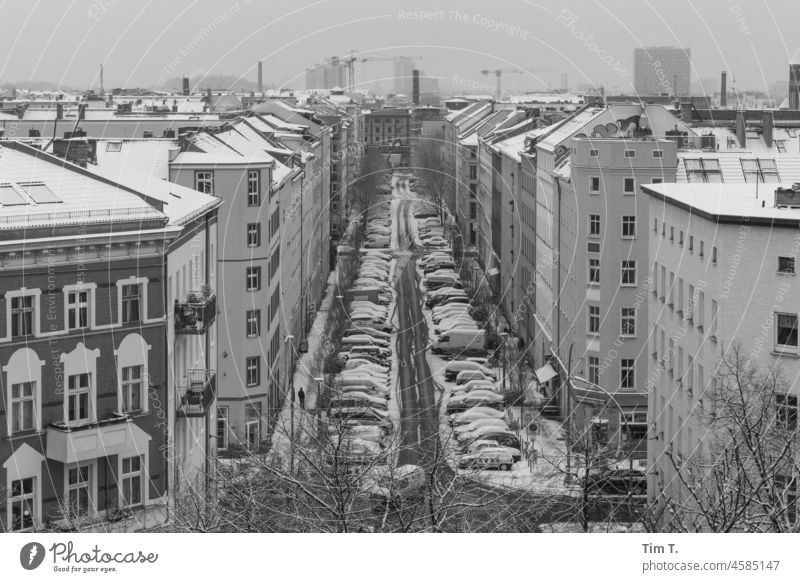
(461, 341)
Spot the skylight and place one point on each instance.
(10, 197)
(40, 193)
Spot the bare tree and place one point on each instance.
(744, 478)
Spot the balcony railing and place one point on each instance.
(196, 313)
(198, 393)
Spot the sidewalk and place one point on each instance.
(303, 378)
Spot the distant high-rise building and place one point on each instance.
(332, 73)
(403, 73)
(794, 82)
(662, 70)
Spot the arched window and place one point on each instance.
(132, 374)
(23, 382)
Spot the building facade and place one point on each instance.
(662, 70)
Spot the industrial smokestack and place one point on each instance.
(415, 86)
(260, 79)
(186, 85)
(723, 90)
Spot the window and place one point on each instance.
(702, 170)
(23, 503)
(253, 277)
(658, 153)
(204, 182)
(594, 369)
(114, 146)
(786, 265)
(131, 312)
(594, 153)
(595, 184)
(274, 264)
(594, 225)
(131, 389)
(23, 406)
(253, 370)
(657, 181)
(702, 249)
(628, 321)
(21, 316)
(628, 226)
(222, 427)
(680, 238)
(700, 309)
(626, 373)
(253, 234)
(691, 243)
(473, 172)
(593, 247)
(758, 170)
(131, 478)
(713, 255)
(79, 480)
(671, 234)
(787, 488)
(786, 411)
(594, 271)
(473, 211)
(253, 188)
(630, 153)
(634, 425)
(594, 319)
(253, 318)
(786, 332)
(78, 395)
(629, 186)
(655, 225)
(628, 273)
(77, 309)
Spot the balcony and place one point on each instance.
(194, 315)
(116, 435)
(198, 393)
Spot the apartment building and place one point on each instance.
(83, 354)
(722, 260)
(661, 70)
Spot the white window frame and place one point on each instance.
(249, 424)
(591, 318)
(24, 366)
(144, 316)
(142, 474)
(209, 178)
(253, 176)
(256, 274)
(591, 184)
(629, 153)
(222, 417)
(594, 153)
(625, 181)
(34, 498)
(592, 222)
(92, 486)
(256, 368)
(785, 348)
(36, 294)
(91, 288)
(70, 396)
(793, 261)
(589, 275)
(256, 226)
(256, 319)
(593, 368)
(17, 404)
(628, 222)
(623, 318)
(133, 350)
(632, 369)
(629, 269)
(80, 361)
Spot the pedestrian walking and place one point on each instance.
(302, 397)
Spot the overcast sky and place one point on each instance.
(143, 41)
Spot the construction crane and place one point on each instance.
(498, 74)
(353, 59)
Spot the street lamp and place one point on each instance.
(504, 335)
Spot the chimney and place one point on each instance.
(186, 86)
(415, 86)
(686, 111)
(260, 79)
(741, 137)
(767, 124)
(723, 90)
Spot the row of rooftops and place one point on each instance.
(125, 180)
